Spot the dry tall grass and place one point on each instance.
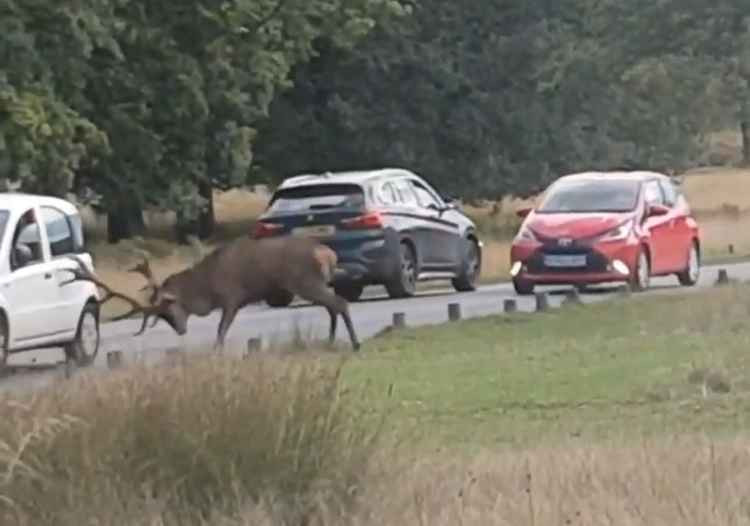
(182, 444)
(688, 481)
(272, 442)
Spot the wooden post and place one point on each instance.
(572, 297)
(68, 369)
(542, 301)
(454, 311)
(510, 305)
(723, 277)
(114, 359)
(399, 320)
(253, 345)
(174, 355)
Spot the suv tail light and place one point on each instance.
(363, 222)
(263, 229)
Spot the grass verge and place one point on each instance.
(591, 372)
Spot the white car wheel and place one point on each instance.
(85, 347)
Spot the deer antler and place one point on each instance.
(144, 268)
(82, 273)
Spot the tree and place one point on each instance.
(499, 98)
(218, 68)
(44, 138)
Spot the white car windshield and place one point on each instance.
(616, 195)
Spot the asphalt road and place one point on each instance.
(369, 316)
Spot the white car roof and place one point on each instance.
(19, 202)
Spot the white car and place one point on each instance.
(38, 237)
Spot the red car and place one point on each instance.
(606, 227)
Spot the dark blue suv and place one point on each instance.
(388, 227)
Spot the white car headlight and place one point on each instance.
(619, 233)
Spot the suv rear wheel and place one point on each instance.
(349, 291)
(471, 268)
(85, 347)
(279, 299)
(404, 284)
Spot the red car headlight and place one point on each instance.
(618, 233)
(525, 234)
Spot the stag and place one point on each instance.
(237, 274)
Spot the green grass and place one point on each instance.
(597, 371)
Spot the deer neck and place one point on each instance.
(193, 292)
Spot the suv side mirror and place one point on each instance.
(23, 255)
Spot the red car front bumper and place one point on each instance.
(602, 262)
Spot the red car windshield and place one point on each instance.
(617, 195)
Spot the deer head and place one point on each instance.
(164, 305)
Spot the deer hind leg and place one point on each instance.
(334, 318)
(319, 294)
(227, 317)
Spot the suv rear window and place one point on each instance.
(317, 197)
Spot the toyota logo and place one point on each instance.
(564, 241)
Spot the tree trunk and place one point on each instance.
(207, 217)
(745, 129)
(125, 220)
(184, 228)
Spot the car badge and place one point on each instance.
(564, 241)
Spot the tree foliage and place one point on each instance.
(152, 103)
(135, 104)
(501, 97)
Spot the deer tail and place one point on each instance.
(327, 260)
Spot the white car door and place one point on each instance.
(72, 296)
(31, 289)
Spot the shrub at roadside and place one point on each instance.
(182, 444)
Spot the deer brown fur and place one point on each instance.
(242, 272)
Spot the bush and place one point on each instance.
(181, 444)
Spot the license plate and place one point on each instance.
(565, 261)
(315, 231)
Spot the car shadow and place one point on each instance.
(380, 298)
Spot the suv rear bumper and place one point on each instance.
(371, 262)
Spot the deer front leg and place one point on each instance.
(227, 317)
(344, 309)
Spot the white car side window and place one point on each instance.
(26, 234)
(58, 232)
